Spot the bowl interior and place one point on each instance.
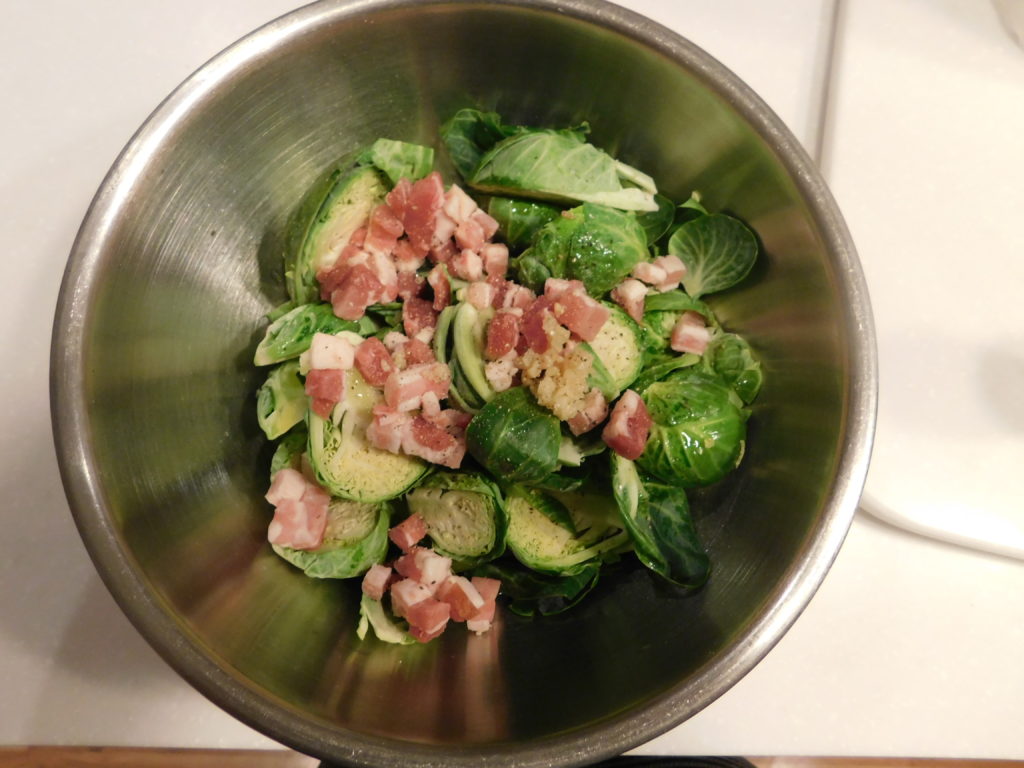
(166, 466)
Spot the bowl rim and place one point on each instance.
(187, 654)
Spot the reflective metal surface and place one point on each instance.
(153, 391)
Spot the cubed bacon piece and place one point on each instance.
(674, 269)
(393, 341)
(462, 596)
(495, 258)
(500, 286)
(486, 222)
(398, 198)
(406, 257)
(690, 334)
(443, 253)
(444, 229)
(383, 230)
(388, 428)
(630, 295)
(404, 389)
(425, 566)
(480, 294)
(452, 420)
(649, 273)
(430, 405)
(358, 289)
(373, 361)
(327, 352)
(286, 484)
(581, 314)
(438, 279)
(469, 235)
(409, 532)
(458, 205)
(417, 353)
(594, 411)
(500, 374)
(467, 265)
(407, 593)
(488, 589)
(383, 267)
(425, 199)
(322, 407)
(327, 385)
(502, 334)
(531, 329)
(375, 581)
(351, 253)
(555, 287)
(434, 443)
(417, 314)
(518, 297)
(629, 426)
(427, 619)
(410, 285)
(298, 525)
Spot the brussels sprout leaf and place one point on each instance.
(657, 223)
(730, 357)
(470, 133)
(718, 252)
(399, 159)
(534, 593)
(281, 401)
(520, 220)
(514, 438)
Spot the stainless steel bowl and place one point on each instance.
(179, 256)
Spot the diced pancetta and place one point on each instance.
(500, 374)
(443, 253)
(450, 419)
(424, 201)
(383, 231)
(630, 295)
(495, 259)
(398, 198)
(486, 222)
(467, 265)
(480, 294)
(406, 257)
(410, 285)
(462, 596)
(469, 235)
(517, 297)
(328, 352)
(286, 484)
(502, 334)
(444, 229)
(417, 314)
(458, 205)
(434, 443)
(581, 314)
(556, 287)
(500, 286)
(298, 524)
(388, 428)
(375, 581)
(383, 267)
(438, 279)
(649, 273)
(425, 566)
(373, 361)
(690, 334)
(532, 328)
(488, 589)
(326, 384)
(407, 593)
(359, 288)
(594, 411)
(418, 352)
(674, 269)
(409, 532)
(628, 427)
(404, 389)
(427, 619)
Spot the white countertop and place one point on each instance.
(911, 647)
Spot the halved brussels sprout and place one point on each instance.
(514, 438)
(281, 401)
(356, 538)
(697, 429)
(519, 220)
(292, 333)
(618, 353)
(469, 333)
(730, 357)
(289, 451)
(465, 516)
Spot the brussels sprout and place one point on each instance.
(593, 243)
(344, 463)
(658, 366)
(560, 166)
(730, 357)
(657, 517)
(469, 334)
(697, 432)
(289, 451)
(470, 133)
(281, 401)
(661, 312)
(356, 537)
(657, 223)
(519, 220)
(535, 593)
(575, 449)
(387, 629)
(618, 353)
(399, 159)
(549, 506)
(465, 516)
(718, 252)
(291, 334)
(541, 543)
(514, 438)
(345, 203)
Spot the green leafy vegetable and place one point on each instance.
(718, 252)
(618, 353)
(356, 538)
(560, 166)
(387, 629)
(658, 366)
(465, 516)
(289, 451)
(291, 334)
(470, 133)
(281, 401)
(730, 357)
(549, 506)
(514, 438)
(534, 593)
(697, 432)
(658, 519)
(657, 223)
(399, 159)
(592, 243)
(520, 220)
